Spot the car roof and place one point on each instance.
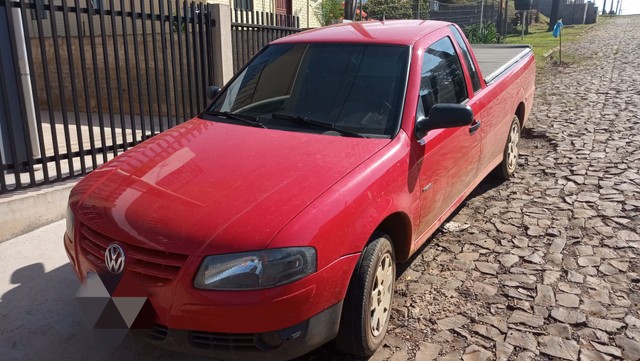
(398, 32)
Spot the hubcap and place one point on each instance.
(381, 294)
(512, 148)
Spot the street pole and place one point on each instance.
(524, 21)
(25, 75)
(481, 14)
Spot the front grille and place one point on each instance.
(153, 264)
(222, 341)
(157, 332)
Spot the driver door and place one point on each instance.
(448, 158)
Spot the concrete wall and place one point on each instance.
(304, 9)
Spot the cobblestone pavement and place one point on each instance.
(549, 267)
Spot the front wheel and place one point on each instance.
(511, 152)
(367, 307)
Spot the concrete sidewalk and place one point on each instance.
(39, 317)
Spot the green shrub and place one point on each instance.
(486, 34)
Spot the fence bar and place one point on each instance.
(63, 105)
(202, 28)
(188, 55)
(180, 61)
(43, 154)
(165, 65)
(74, 89)
(132, 118)
(85, 87)
(116, 53)
(196, 67)
(173, 61)
(96, 78)
(146, 61)
(105, 58)
(136, 57)
(155, 63)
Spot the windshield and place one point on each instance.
(354, 88)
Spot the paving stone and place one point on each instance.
(569, 288)
(621, 265)
(503, 351)
(608, 350)
(559, 347)
(495, 321)
(568, 316)
(526, 318)
(592, 355)
(630, 348)
(545, 296)
(604, 325)
(593, 335)
(525, 340)
(575, 277)
(593, 307)
(452, 322)
(589, 261)
(508, 260)
(567, 300)
(559, 330)
(485, 267)
(551, 277)
(484, 289)
(476, 353)
(632, 321)
(526, 356)
(428, 351)
(557, 245)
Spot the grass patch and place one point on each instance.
(543, 42)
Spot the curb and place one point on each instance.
(33, 208)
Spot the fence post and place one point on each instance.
(222, 47)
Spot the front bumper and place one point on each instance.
(284, 344)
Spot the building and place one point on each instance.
(304, 9)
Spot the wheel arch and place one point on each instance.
(520, 113)
(398, 226)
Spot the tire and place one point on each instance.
(511, 152)
(367, 306)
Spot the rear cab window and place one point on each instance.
(471, 68)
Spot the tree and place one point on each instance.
(328, 11)
(555, 10)
(388, 9)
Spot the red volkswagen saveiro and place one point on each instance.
(272, 223)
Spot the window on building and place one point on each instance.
(243, 4)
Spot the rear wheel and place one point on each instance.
(367, 307)
(511, 152)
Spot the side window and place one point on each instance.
(471, 68)
(442, 79)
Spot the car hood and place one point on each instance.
(213, 187)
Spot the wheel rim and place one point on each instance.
(381, 294)
(512, 147)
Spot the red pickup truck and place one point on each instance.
(272, 223)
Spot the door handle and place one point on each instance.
(474, 126)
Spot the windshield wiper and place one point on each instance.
(318, 123)
(248, 119)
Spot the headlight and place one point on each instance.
(255, 270)
(70, 224)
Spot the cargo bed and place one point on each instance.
(495, 59)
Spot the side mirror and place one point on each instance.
(444, 116)
(212, 91)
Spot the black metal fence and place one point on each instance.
(82, 80)
(250, 31)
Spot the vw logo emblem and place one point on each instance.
(114, 258)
